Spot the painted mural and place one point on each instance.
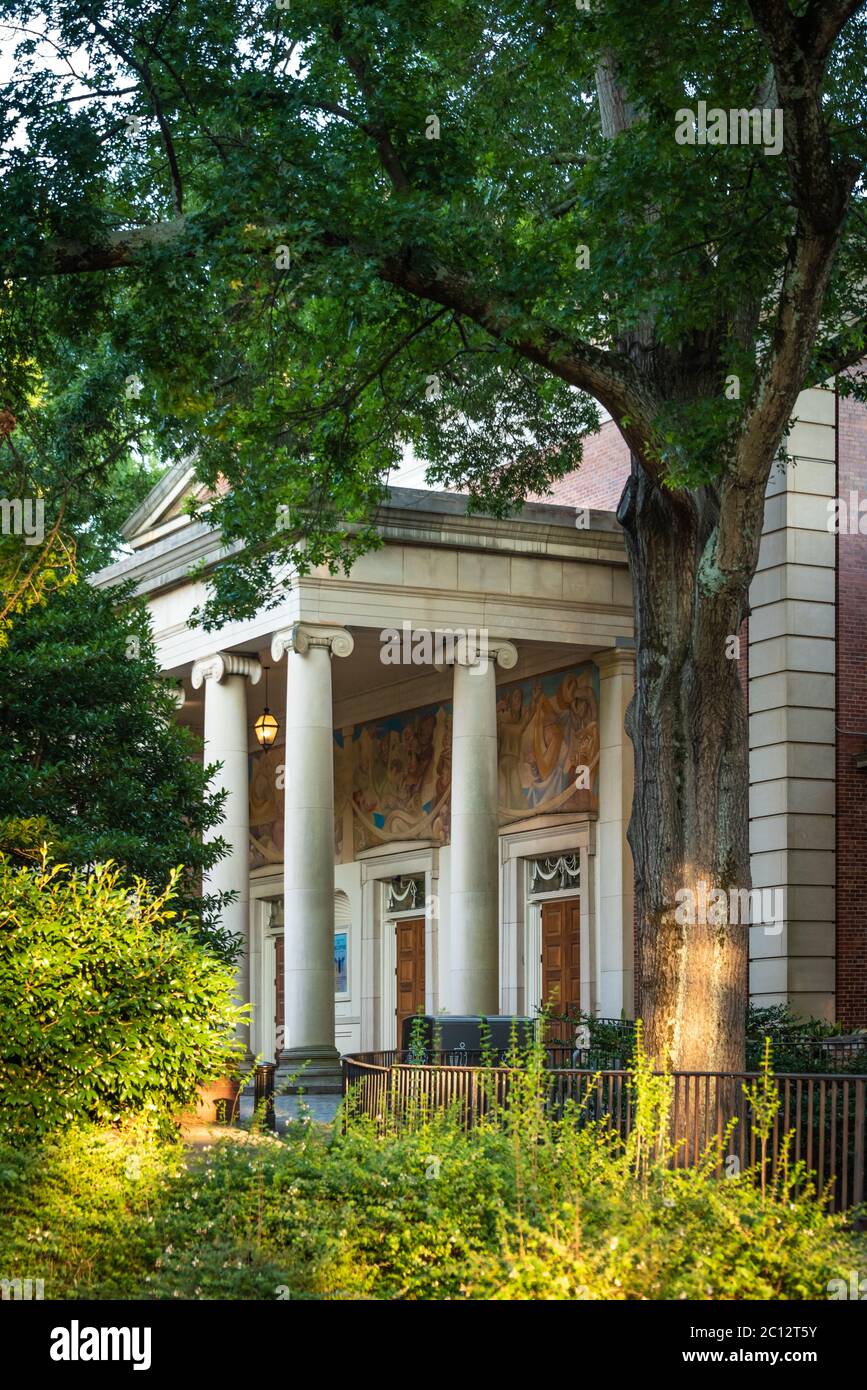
(266, 807)
(398, 777)
(547, 730)
(392, 776)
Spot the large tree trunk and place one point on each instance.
(690, 820)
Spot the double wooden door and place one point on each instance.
(561, 955)
(408, 970)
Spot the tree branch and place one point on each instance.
(359, 66)
(11, 601)
(566, 205)
(781, 374)
(348, 398)
(839, 355)
(333, 108)
(114, 250)
(144, 73)
(820, 190)
(823, 22)
(608, 376)
(89, 96)
(616, 112)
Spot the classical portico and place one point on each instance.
(431, 828)
(478, 813)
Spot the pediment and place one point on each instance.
(164, 510)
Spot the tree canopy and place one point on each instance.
(92, 762)
(294, 238)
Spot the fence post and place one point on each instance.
(858, 1175)
(263, 1090)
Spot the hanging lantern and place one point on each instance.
(266, 725)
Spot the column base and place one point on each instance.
(315, 1070)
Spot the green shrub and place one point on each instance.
(538, 1209)
(780, 1022)
(109, 1006)
(92, 759)
(797, 1041)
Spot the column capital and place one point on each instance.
(503, 652)
(301, 637)
(219, 665)
(615, 661)
(473, 647)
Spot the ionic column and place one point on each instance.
(224, 676)
(308, 868)
(474, 927)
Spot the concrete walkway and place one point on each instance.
(200, 1134)
(321, 1109)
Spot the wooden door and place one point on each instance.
(561, 958)
(409, 970)
(279, 995)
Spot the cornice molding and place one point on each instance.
(439, 520)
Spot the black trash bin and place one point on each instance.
(458, 1039)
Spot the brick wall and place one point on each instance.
(851, 716)
(601, 477)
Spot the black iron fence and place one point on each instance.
(820, 1121)
(610, 1042)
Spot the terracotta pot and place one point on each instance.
(217, 1101)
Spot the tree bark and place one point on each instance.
(690, 823)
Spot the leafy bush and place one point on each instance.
(799, 1044)
(108, 1004)
(779, 1022)
(802, 1044)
